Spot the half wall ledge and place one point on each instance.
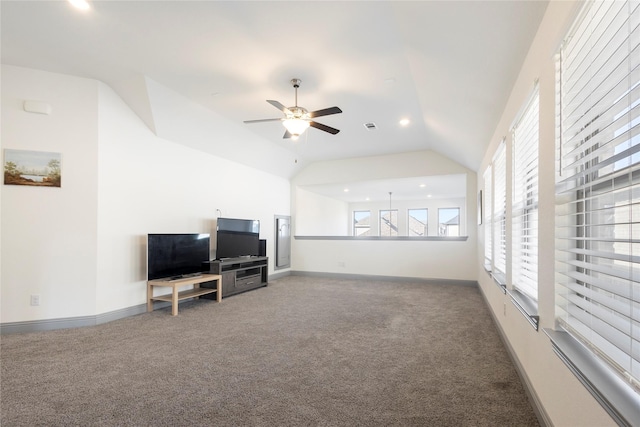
(388, 238)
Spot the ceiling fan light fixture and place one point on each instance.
(297, 119)
(296, 126)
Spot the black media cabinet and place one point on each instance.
(239, 274)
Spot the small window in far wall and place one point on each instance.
(417, 222)
(389, 222)
(449, 221)
(362, 223)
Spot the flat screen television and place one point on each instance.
(176, 255)
(237, 238)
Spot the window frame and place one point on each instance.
(525, 143)
(426, 224)
(440, 223)
(499, 217)
(488, 218)
(355, 226)
(392, 226)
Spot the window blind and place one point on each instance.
(499, 213)
(487, 218)
(598, 185)
(524, 218)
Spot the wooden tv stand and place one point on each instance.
(240, 274)
(176, 296)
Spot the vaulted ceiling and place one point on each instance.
(447, 66)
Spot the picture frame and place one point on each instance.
(32, 168)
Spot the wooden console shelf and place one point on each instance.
(174, 297)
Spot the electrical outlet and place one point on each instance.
(35, 300)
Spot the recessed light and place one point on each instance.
(346, 190)
(404, 122)
(423, 185)
(80, 4)
(428, 195)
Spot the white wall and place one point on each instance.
(421, 259)
(82, 247)
(49, 240)
(151, 185)
(413, 259)
(319, 215)
(566, 402)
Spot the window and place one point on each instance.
(598, 185)
(499, 214)
(361, 223)
(487, 218)
(449, 221)
(417, 222)
(524, 218)
(389, 222)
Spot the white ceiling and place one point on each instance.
(448, 66)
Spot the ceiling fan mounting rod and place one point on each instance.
(296, 85)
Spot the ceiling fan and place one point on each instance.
(297, 119)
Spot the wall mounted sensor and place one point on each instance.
(37, 107)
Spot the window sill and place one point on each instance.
(388, 238)
(500, 280)
(527, 306)
(616, 396)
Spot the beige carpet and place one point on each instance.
(301, 352)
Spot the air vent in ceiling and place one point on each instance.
(370, 126)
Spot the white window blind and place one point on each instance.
(487, 217)
(499, 213)
(524, 218)
(598, 185)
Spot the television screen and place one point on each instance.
(176, 255)
(237, 238)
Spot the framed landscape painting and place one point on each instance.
(32, 168)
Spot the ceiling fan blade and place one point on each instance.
(287, 135)
(325, 112)
(325, 128)
(279, 106)
(262, 120)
